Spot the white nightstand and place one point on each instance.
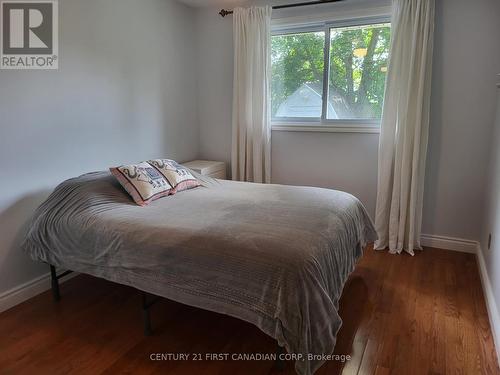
(214, 169)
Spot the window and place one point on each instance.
(297, 75)
(346, 64)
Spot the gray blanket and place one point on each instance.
(275, 256)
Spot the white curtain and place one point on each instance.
(251, 147)
(405, 127)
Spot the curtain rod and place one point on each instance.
(225, 12)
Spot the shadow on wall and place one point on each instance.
(15, 265)
(432, 169)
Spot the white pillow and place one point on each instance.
(143, 182)
(178, 176)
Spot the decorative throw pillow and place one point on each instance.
(143, 182)
(179, 177)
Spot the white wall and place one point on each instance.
(466, 61)
(491, 220)
(124, 92)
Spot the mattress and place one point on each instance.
(275, 256)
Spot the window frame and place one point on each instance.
(323, 123)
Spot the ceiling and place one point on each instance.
(212, 3)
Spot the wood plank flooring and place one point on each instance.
(402, 315)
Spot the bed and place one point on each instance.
(275, 256)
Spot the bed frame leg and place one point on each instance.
(55, 284)
(279, 364)
(146, 315)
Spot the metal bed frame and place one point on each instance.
(146, 305)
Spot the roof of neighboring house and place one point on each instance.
(306, 102)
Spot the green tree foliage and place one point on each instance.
(358, 65)
(296, 59)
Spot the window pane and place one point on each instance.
(297, 75)
(358, 68)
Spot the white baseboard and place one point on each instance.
(449, 243)
(27, 290)
(491, 304)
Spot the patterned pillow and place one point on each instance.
(142, 182)
(179, 177)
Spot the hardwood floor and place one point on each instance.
(402, 315)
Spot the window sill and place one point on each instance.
(325, 128)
